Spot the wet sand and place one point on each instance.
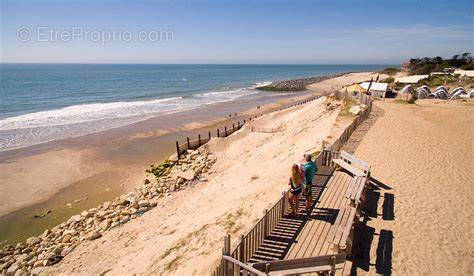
(97, 167)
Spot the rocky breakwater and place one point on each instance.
(295, 84)
(54, 244)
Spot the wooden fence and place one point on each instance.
(220, 133)
(361, 98)
(234, 263)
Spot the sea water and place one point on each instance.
(46, 102)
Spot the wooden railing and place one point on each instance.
(364, 114)
(234, 267)
(326, 264)
(250, 242)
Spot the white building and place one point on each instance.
(411, 79)
(377, 89)
(465, 73)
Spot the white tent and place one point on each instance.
(407, 89)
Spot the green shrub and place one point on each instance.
(161, 169)
(388, 80)
(390, 71)
(346, 106)
(469, 66)
(421, 66)
(423, 70)
(437, 80)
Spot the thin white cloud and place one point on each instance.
(424, 31)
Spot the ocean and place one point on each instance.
(45, 102)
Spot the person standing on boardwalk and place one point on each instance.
(296, 187)
(310, 169)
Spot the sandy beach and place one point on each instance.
(250, 173)
(183, 236)
(83, 157)
(255, 146)
(67, 176)
(191, 138)
(64, 177)
(424, 214)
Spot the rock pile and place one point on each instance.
(50, 247)
(296, 84)
(332, 104)
(182, 172)
(356, 109)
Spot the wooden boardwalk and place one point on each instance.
(278, 236)
(305, 236)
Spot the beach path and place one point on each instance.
(421, 219)
(307, 236)
(418, 220)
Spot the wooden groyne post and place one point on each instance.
(177, 149)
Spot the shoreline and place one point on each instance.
(231, 189)
(117, 158)
(230, 201)
(241, 156)
(129, 152)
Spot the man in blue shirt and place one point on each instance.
(309, 171)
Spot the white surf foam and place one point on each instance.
(77, 120)
(260, 84)
(86, 113)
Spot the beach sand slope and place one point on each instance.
(184, 234)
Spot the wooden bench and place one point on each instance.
(340, 234)
(352, 164)
(327, 264)
(356, 190)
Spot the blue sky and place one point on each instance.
(309, 32)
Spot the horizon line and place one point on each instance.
(113, 63)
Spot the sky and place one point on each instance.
(224, 31)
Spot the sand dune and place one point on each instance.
(184, 235)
